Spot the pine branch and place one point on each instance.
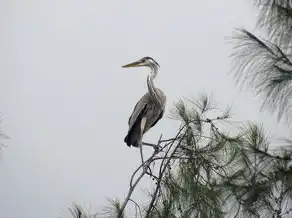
(161, 174)
(133, 185)
(275, 18)
(265, 68)
(77, 211)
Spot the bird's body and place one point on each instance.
(146, 109)
(149, 109)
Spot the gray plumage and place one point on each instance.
(149, 109)
(145, 108)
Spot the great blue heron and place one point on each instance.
(149, 109)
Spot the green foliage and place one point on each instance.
(113, 210)
(218, 170)
(265, 64)
(77, 212)
(275, 18)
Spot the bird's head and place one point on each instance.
(143, 62)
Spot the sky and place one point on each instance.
(65, 100)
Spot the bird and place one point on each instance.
(149, 109)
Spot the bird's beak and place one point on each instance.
(133, 64)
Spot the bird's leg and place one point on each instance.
(145, 165)
(141, 152)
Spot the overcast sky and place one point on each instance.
(65, 100)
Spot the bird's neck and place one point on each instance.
(151, 87)
(153, 73)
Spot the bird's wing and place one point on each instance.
(163, 103)
(138, 109)
(158, 118)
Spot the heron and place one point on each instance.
(149, 109)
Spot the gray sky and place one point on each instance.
(66, 100)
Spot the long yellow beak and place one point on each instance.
(133, 64)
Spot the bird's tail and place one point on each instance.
(134, 136)
(130, 140)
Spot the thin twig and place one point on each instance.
(133, 186)
(137, 206)
(121, 212)
(162, 170)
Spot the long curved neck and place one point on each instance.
(151, 88)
